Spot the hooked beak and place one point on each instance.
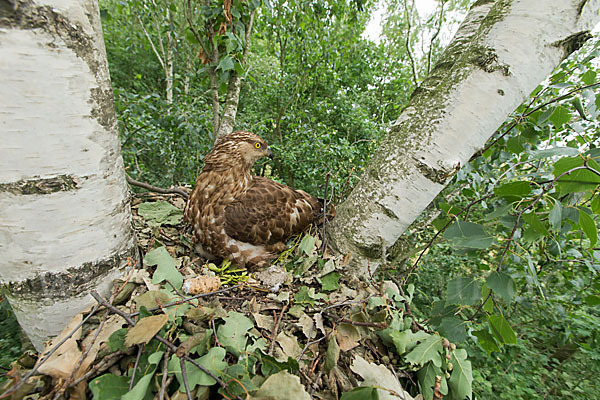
(269, 153)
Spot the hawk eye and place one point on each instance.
(257, 145)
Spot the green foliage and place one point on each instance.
(516, 279)
(166, 269)
(519, 301)
(10, 344)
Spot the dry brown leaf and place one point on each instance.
(347, 336)
(319, 322)
(264, 321)
(152, 299)
(308, 326)
(61, 364)
(201, 284)
(289, 346)
(145, 329)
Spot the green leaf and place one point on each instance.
(554, 151)
(116, 341)
(461, 380)
(270, 365)
(213, 361)
(588, 77)
(579, 180)
(468, 235)
(560, 116)
(426, 377)
(534, 221)
(141, 387)
(587, 224)
(501, 329)
(332, 355)
(499, 211)
(109, 387)
(578, 107)
(488, 306)
(361, 393)
(592, 300)
(486, 341)
(595, 205)
(307, 295)
(233, 334)
(429, 350)
(166, 269)
(555, 216)
(454, 329)
(330, 281)
(406, 340)
(240, 381)
(515, 145)
(307, 244)
(464, 291)
(502, 284)
(160, 213)
(513, 190)
(226, 64)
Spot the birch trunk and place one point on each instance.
(234, 86)
(501, 52)
(65, 221)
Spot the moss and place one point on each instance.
(61, 183)
(573, 42)
(70, 283)
(439, 176)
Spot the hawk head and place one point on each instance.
(235, 150)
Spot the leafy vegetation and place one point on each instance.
(498, 296)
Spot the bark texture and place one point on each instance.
(500, 53)
(65, 221)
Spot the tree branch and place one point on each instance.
(173, 190)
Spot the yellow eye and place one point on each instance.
(257, 145)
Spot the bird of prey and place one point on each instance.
(244, 218)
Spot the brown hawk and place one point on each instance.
(244, 218)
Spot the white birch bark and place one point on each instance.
(226, 121)
(65, 221)
(501, 52)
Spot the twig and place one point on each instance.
(137, 361)
(435, 35)
(47, 356)
(163, 385)
(310, 343)
(178, 302)
(521, 117)
(105, 364)
(159, 338)
(85, 353)
(408, 49)
(378, 325)
(185, 379)
(534, 202)
(276, 328)
(173, 190)
(428, 245)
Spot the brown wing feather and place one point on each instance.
(269, 212)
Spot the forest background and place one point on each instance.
(322, 92)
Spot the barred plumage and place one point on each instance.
(244, 218)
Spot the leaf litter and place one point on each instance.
(180, 327)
